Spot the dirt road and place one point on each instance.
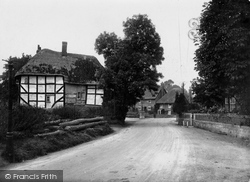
(153, 150)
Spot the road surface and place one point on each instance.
(152, 150)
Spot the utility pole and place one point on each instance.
(9, 135)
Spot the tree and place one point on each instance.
(180, 106)
(223, 57)
(130, 64)
(17, 64)
(207, 94)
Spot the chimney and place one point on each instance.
(64, 48)
(38, 49)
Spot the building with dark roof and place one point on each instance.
(147, 103)
(51, 79)
(167, 101)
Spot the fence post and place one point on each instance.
(190, 118)
(9, 135)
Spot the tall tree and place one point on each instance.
(130, 64)
(223, 57)
(17, 64)
(180, 106)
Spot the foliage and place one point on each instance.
(207, 94)
(28, 148)
(130, 64)
(193, 108)
(29, 119)
(67, 112)
(25, 119)
(3, 121)
(85, 70)
(75, 112)
(223, 56)
(4, 89)
(180, 104)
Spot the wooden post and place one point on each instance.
(9, 135)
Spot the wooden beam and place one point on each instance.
(81, 121)
(84, 126)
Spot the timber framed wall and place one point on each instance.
(42, 91)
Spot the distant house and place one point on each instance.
(147, 102)
(52, 79)
(165, 102)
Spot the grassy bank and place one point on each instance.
(31, 124)
(32, 147)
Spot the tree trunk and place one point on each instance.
(121, 114)
(180, 119)
(84, 126)
(81, 121)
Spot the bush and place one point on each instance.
(75, 112)
(91, 112)
(29, 119)
(25, 119)
(67, 112)
(27, 148)
(3, 121)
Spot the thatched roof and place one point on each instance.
(76, 68)
(149, 94)
(169, 98)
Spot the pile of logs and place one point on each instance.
(62, 126)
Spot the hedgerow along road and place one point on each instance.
(153, 150)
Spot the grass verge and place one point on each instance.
(29, 148)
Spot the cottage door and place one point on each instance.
(50, 99)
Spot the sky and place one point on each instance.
(25, 24)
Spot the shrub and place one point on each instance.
(3, 121)
(75, 112)
(25, 119)
(29, 119)
(91, 112)
(67, 112)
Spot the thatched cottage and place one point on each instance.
(51, 79)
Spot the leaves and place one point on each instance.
(17, 64)
(223, 56)
(130, 63)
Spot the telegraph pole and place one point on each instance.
(9, 135)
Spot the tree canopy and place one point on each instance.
(180, 104)
(223, 57)
(130, 64)
(17, 64)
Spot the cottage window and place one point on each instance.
(94, 95)
(149, 108)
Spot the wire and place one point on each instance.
(179, 39)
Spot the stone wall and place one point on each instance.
(233, 126)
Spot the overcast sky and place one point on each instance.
(26, 23)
